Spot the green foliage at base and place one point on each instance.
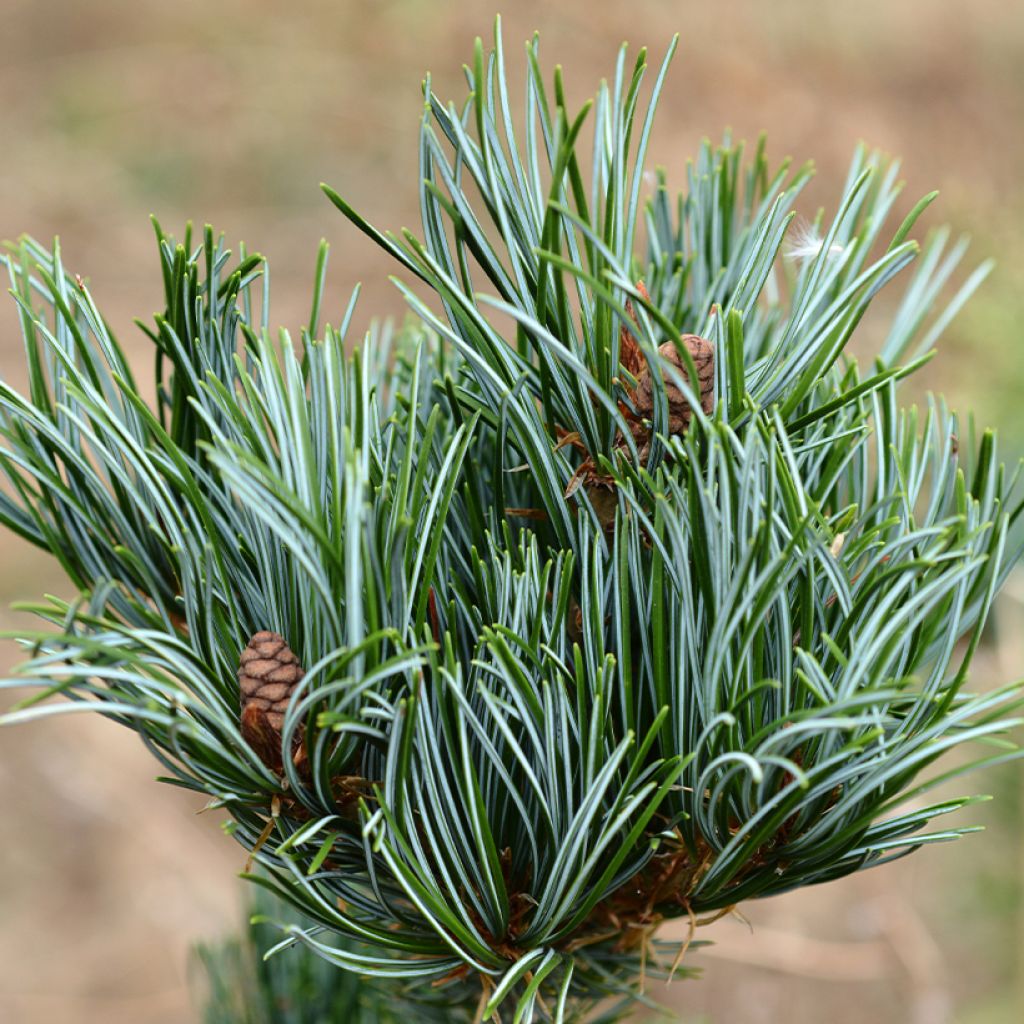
(238, 985)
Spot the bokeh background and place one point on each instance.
(232, 112)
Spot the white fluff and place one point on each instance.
(806, 244)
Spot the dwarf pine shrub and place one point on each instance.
(609, 589)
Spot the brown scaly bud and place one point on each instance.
(702, 352)
(267, 677)
(631, 356)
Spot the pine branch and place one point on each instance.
(649, 604)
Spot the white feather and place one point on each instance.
(806, 244)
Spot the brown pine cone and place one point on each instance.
(267, 677)
(702, 352)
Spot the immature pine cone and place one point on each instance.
(267, 676)
(702, 352)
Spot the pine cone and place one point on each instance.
(267, 677)
(702, 352)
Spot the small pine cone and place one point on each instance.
(267, 677)
(702, 352)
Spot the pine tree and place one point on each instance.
(238, 985)
(610, 589)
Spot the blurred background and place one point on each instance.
(232, 113)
